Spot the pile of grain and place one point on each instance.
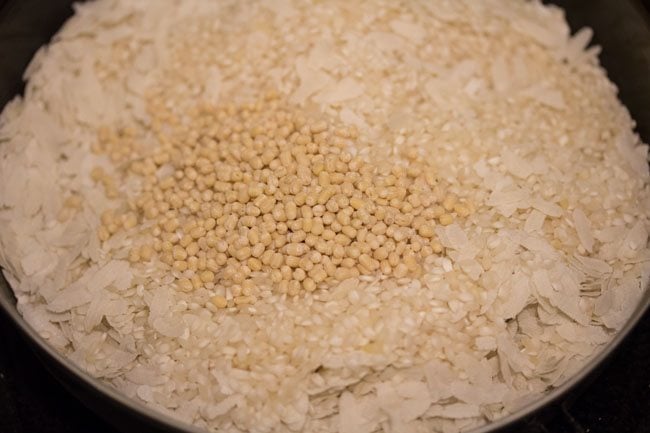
(542, 262)
(252, 199)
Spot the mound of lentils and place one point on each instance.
(234, 195)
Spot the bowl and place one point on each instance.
(623, 30)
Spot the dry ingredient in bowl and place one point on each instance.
(440, 213)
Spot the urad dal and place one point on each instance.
(323, 216)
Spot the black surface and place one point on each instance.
(31, 400)
(617, 400)
(625, 43)
(39, 19)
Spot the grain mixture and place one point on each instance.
(330, 216)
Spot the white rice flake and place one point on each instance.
(635, 240)
(546, 96)
(351, 417)
(564, 295)
(593, 266)
(454, 411)
(74, 296)
(41, 320)
(115, 272)
(635, 154)
(514, 295)
(38, 261)
(583, 228)
(548, 208)
(455, 237)
(535, 221)
(409, 30)
(311, 81)
(347, 88)
(471, 394)
(223, 407)
(516, 165)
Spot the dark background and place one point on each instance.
(615, 400)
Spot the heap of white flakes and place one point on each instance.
(520, 119)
